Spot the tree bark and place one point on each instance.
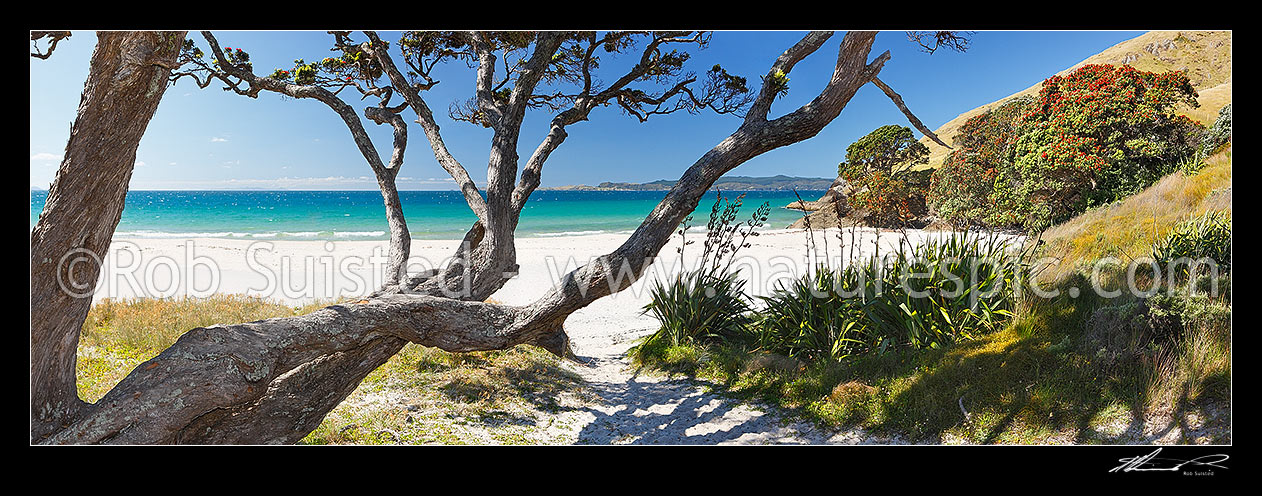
(126, 80)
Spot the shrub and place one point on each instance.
(810, 320)
(889, 202)
(1206, 237)
(878, 166)
(1097, 135)
(934, 294)
(708, 303)
(699, 306)
(1218, 135)
(1144, 325)
(962, 190)
(1091, 137)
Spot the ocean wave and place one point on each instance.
(256, 235)
(359, 234)
(570, 233)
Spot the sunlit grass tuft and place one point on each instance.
(1128, 229)
(120, 334)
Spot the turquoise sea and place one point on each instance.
(343, 215)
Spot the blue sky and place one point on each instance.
(212, 139)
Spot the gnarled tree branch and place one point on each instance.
(425, 117)
(400, 238)
(54, 38)
(898, 100)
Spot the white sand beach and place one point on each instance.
(630, 407)
(298, 272)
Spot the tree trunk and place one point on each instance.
(127, 78)
(274, 380)
(400, 238)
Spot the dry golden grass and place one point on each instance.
(120, 334)
(1127, 229)
(426, 395)
(1212, 100)
(152, 323)
(1206, 55)
(851, 391)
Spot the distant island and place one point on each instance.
(734, 183)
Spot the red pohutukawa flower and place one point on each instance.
(1087, 138)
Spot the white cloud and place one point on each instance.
(218, 140)
(140, 163)
(45, 156)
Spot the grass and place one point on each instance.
(1037, 379)
(120, 334)
(429, 396)
(1029, 383)
(421, 395)
(1128, 229)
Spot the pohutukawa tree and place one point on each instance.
(273, 381)
(1090, 137)
(879, 168)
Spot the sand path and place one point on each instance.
(638, 408)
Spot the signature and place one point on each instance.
(1150, 463)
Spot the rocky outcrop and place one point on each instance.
(835, 214)
(836, 193)
(828, 211)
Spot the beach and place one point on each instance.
(624, 406)
(301, 272)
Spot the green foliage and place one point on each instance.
(878, 167)
(1218, 136)
(724, 86)
(1203, 238)
(932, 295)
(238, 57)
(190, 50)
(779, 83)
(963, 190)
(1091, 137)
(890, 149)
(699, 305)
(1171, 314)
(353, 64)
(709, 303)
(890, 201)
(1045, 375)
(808, 320)
(1190, 165)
